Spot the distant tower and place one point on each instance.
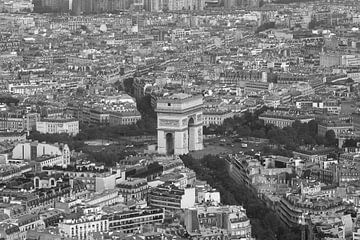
(179, 124)
(76, 7)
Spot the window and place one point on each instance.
(169, 104)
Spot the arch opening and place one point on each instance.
(191, 134)
(169, 144)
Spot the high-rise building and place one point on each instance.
(51, 6)
(178, 5)
(230, 4)
(100, 6)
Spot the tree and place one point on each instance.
(9, 100)
(244, 131)
(259, 133)
(351, 142)
(313, 128)
(80, 91)
(129, 85)
(330, 138)
(313, 24)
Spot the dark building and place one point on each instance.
(42, 6)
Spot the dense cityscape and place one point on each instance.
(179, 119)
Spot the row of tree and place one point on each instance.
(265, 223)
(109, 157)
(9, 100)
(249, 125)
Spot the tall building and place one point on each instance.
(99, 6)
(178, 5)
(230, 4)
(51, 6)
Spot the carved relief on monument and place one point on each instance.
(200, 135)
(199, 118)
(168, 123)
(185, 122)
(185, 139)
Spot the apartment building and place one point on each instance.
(124, 118)
(283, 119)
(106, 198)
(171, 198)
(134, 220)
(94, 180)
(18, 122)
(216, 116)
(133, 189)
(29, 222)
(232, 219)
(314, 202)
(81, 226)
(51, 126)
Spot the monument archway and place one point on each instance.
(179, 124)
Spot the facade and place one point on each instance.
(50, 161)
(133, 189)
(124, 118)
(216, 117)
(292, 206)
(29, 222)
(356, 121)
(94, 116)
(180, 124)
(46, 181)
(51, 126)
(97, 181)
(257, 87)
(231, 219)
(41, 199)
(105, 198)
(81, 227)
(14, 122)
(356, 235)
(133, 221)
(178, 5)
(311, 156)
(171, 198)
(46, 154)
(12, 136)
(239, 78)
(284, 119)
